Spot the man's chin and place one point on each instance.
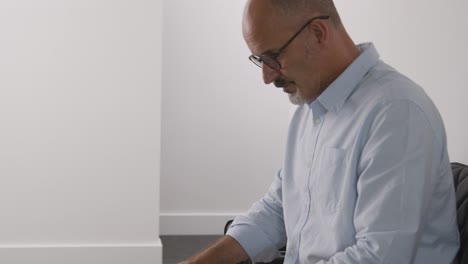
(296, 98)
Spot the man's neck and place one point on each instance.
(344, 54)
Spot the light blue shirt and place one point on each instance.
(366, 178)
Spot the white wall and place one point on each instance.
(80, 131)
(223, 131)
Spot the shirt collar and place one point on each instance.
(335, 95)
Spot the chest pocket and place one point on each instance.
(329, 177)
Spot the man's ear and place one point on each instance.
(320, 30)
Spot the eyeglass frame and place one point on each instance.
(259, 60)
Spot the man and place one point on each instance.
(366, 178)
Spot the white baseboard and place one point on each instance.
(82, 254)
(193, 224)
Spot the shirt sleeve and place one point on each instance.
(261, 232)
(395, 182)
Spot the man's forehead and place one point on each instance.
(260, 38)
(262, 25)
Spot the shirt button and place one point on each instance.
(291, 251)
(317, 121)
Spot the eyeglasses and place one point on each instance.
(270, 59)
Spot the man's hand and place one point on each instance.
(225, 251)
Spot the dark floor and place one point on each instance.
(178, 248)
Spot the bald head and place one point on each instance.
(289, 13)
(295, 7)
(260, 12)
(284, 16)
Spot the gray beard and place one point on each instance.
(297, 98)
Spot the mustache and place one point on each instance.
(281, 82)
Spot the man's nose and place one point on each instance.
(269, 74)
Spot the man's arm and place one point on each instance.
(258, 234)
(261, 231)
(226, 251)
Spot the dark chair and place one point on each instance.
(460, 175)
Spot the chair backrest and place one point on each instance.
(460, 177)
